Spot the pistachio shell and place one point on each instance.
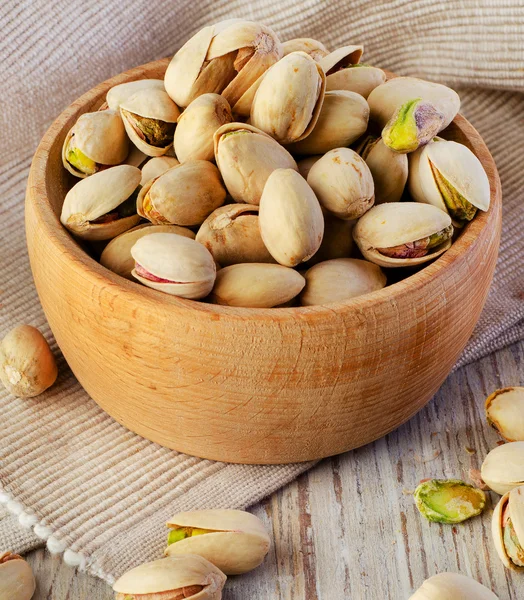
(100, 136)
(242, 108)
(362, 79)
(342, 120)
(116, 256)
(17, 581)
(97, 196)
(449, 500)
(337, 241)
(173, 573)
(233, 540)
(247, 158)
(340, 280)
(232, 234)
(452, 586)
(256, 285)
(340, 58)
(397, 223)
(512, 505)
(342, 183)
(184, 195)
(288, 101)
(314, 48)
(505, 413)
(304, 165)
(178, 265)
(503, 468)
(197, 125)
(291, 220)
(449, 176)
(157, 166)
(120, 93)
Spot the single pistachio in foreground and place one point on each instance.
(507, 527)
(503, 468)
(449, 500)
(452, 586)
(17, 581)
(187, 577)
(233, 540)
(505, 413)
(314, 48)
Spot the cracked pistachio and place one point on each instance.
(449, 500)
(341, 58)
(507, 527)
(17, 581)
(233, 540)
(95, 141)
(452, 586)
(503, 468)
(157, 166)
(402, 234)
(120, 93)
(505, 413)
(188, 577)
(360, 78)
(314, 48)
(103, 205)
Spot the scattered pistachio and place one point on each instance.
(505, 413)
(449, 500)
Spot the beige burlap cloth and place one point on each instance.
(68, 471)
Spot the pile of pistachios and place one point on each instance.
(260, 163)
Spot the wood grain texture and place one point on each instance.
(349, 530)
(253, 385)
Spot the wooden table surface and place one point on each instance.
(349, 530)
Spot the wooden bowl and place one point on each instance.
(253, 385)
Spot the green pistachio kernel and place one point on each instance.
(81, 162)
(153, 131)
(512, 545)
(419, 248)
(458, 207)
(230, 133)
(449, 500)
(181, 533)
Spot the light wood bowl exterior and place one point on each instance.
(253, 385)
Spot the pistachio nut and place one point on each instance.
(503, 468)
(341, 58)
(290, 218)
(197, 125)
(256, 285)
(104, 205)
(226, 58)
(17, 581)
(449, 176)
(400, 234)
(337, 241)
(289, 99)
(314, 48)
(339, 280)
(507, 527)
(452, 586)
(174, 264)
(304, 165)
(360, 78)
(157, 166)
(116, 256)
(342, 183)
(184, 195)
(150, 118)
(189, 577)
(505, 413)
(232, 234)
(342, 120)
(95, 141)
(233, 540)
(27, 365)
(449, 500)
(120, 93)
(246, 157)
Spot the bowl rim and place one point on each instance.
(38, 191)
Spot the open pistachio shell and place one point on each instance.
(339, 280)
(120, 93)
(314, 48)
(452, 586)
(17, 581)
(157, 166)
(449, 176)
(289, 99)
(400, 234)
(337, 241)
(96, 208)
(342, 120)
(232, 234)
(233, 540)
(226, 58)
(503, 468)
(174, 264)
(256, 285)
(505, 413)
(246, 157)
(116, 256)
(507, 527)
(190, 576)
(291, 220)
(341, 58)
(342, 183)
(449, 500)
(97, 139)
(197, 125)
(360, 78)
(184, 195)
